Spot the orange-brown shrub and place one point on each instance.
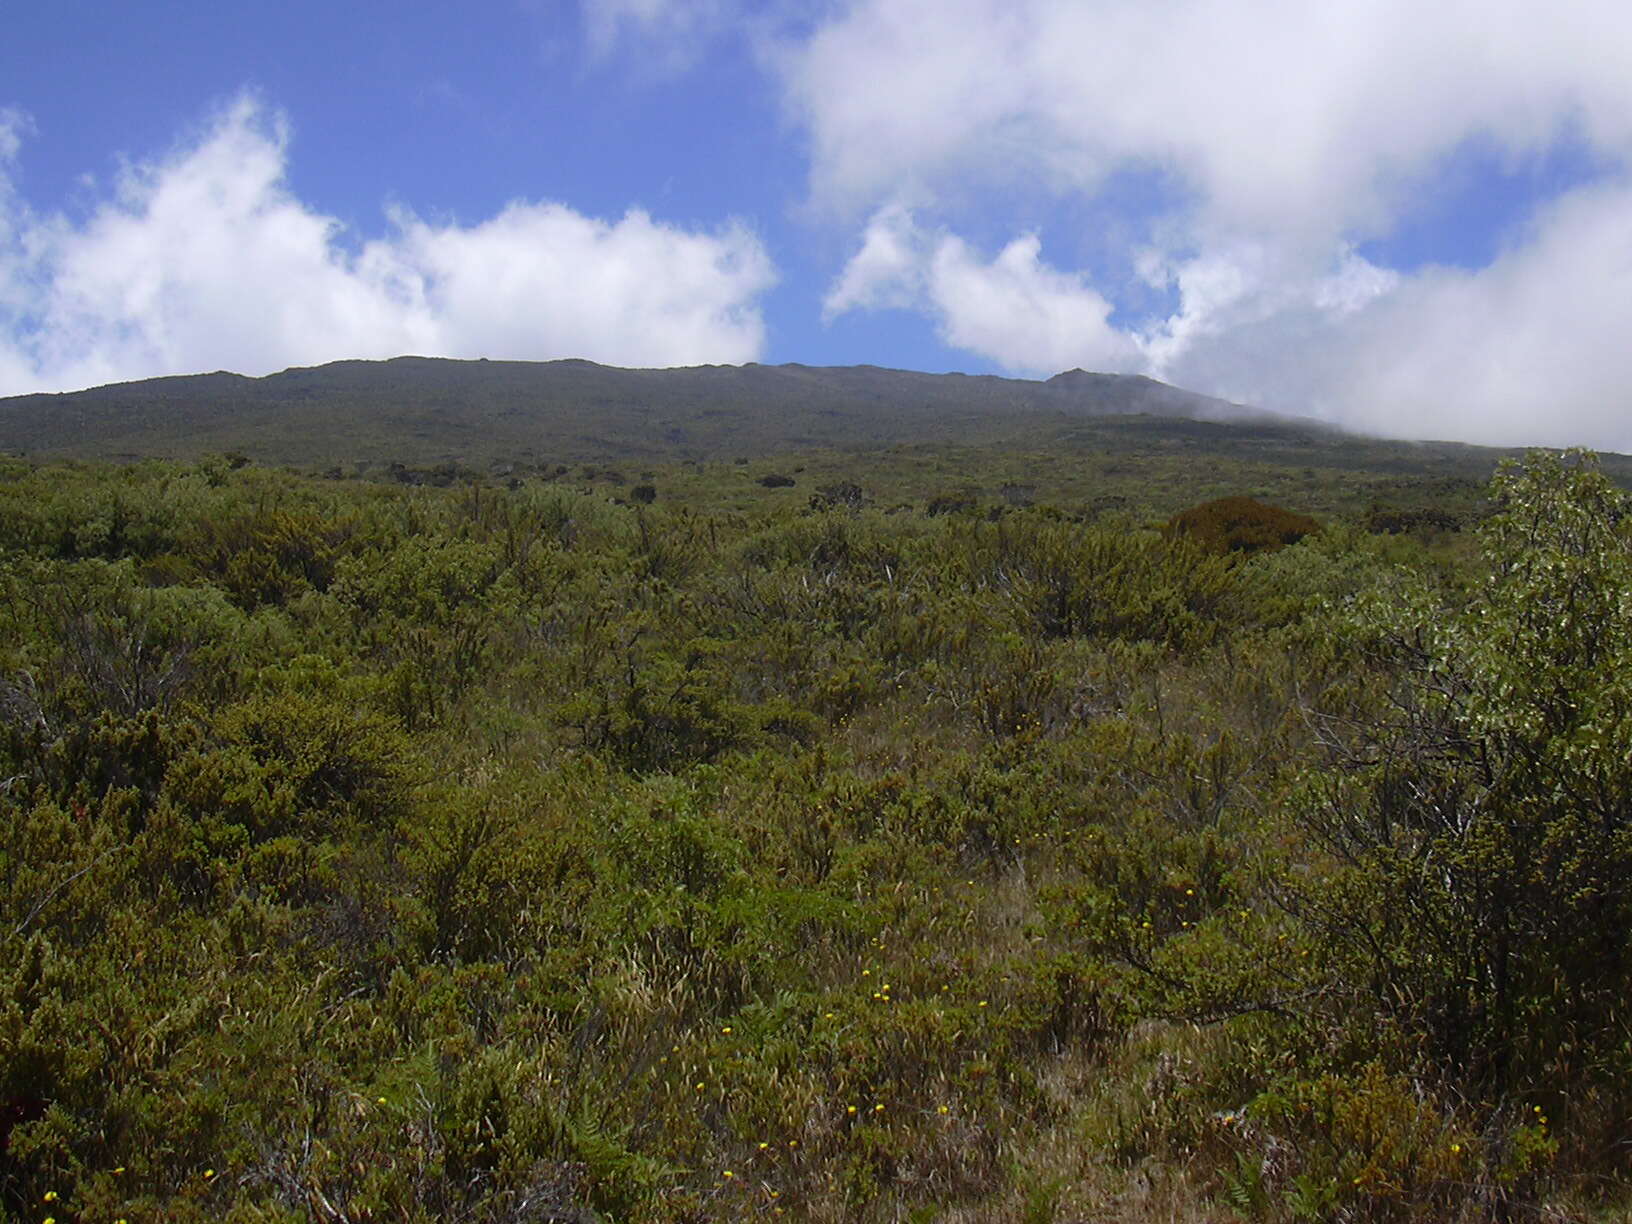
(1241, 524)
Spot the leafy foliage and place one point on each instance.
(1482, 818)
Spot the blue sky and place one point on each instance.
(1414, 221)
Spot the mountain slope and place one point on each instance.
(417, 409)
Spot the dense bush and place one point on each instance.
(389, 851)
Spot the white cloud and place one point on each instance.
(1531, 349)
(1274, 111)
(1014, 309)
(1032, 318)
(1288, 134)
(1022, 313)
(670, 33)
(888, 271)
(13, 124)
(668, 37)
(1230, 290)
(206, 260)
(635, 292)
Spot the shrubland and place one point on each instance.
(511, 853)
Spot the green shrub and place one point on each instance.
(1476, 815)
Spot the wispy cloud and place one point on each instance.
(205, 259)
(672, 35)
(665, 38)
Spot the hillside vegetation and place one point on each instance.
(913, 838)
(529, 418)
(419, 409)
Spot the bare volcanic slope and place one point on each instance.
(418, 409)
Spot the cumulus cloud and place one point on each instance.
(635, 292)
(205, 259)
(1018, 310)
(1275, 112)
(890, 269)
(1287, 136)
(1014, 308)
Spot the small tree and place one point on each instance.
(1480, 829)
